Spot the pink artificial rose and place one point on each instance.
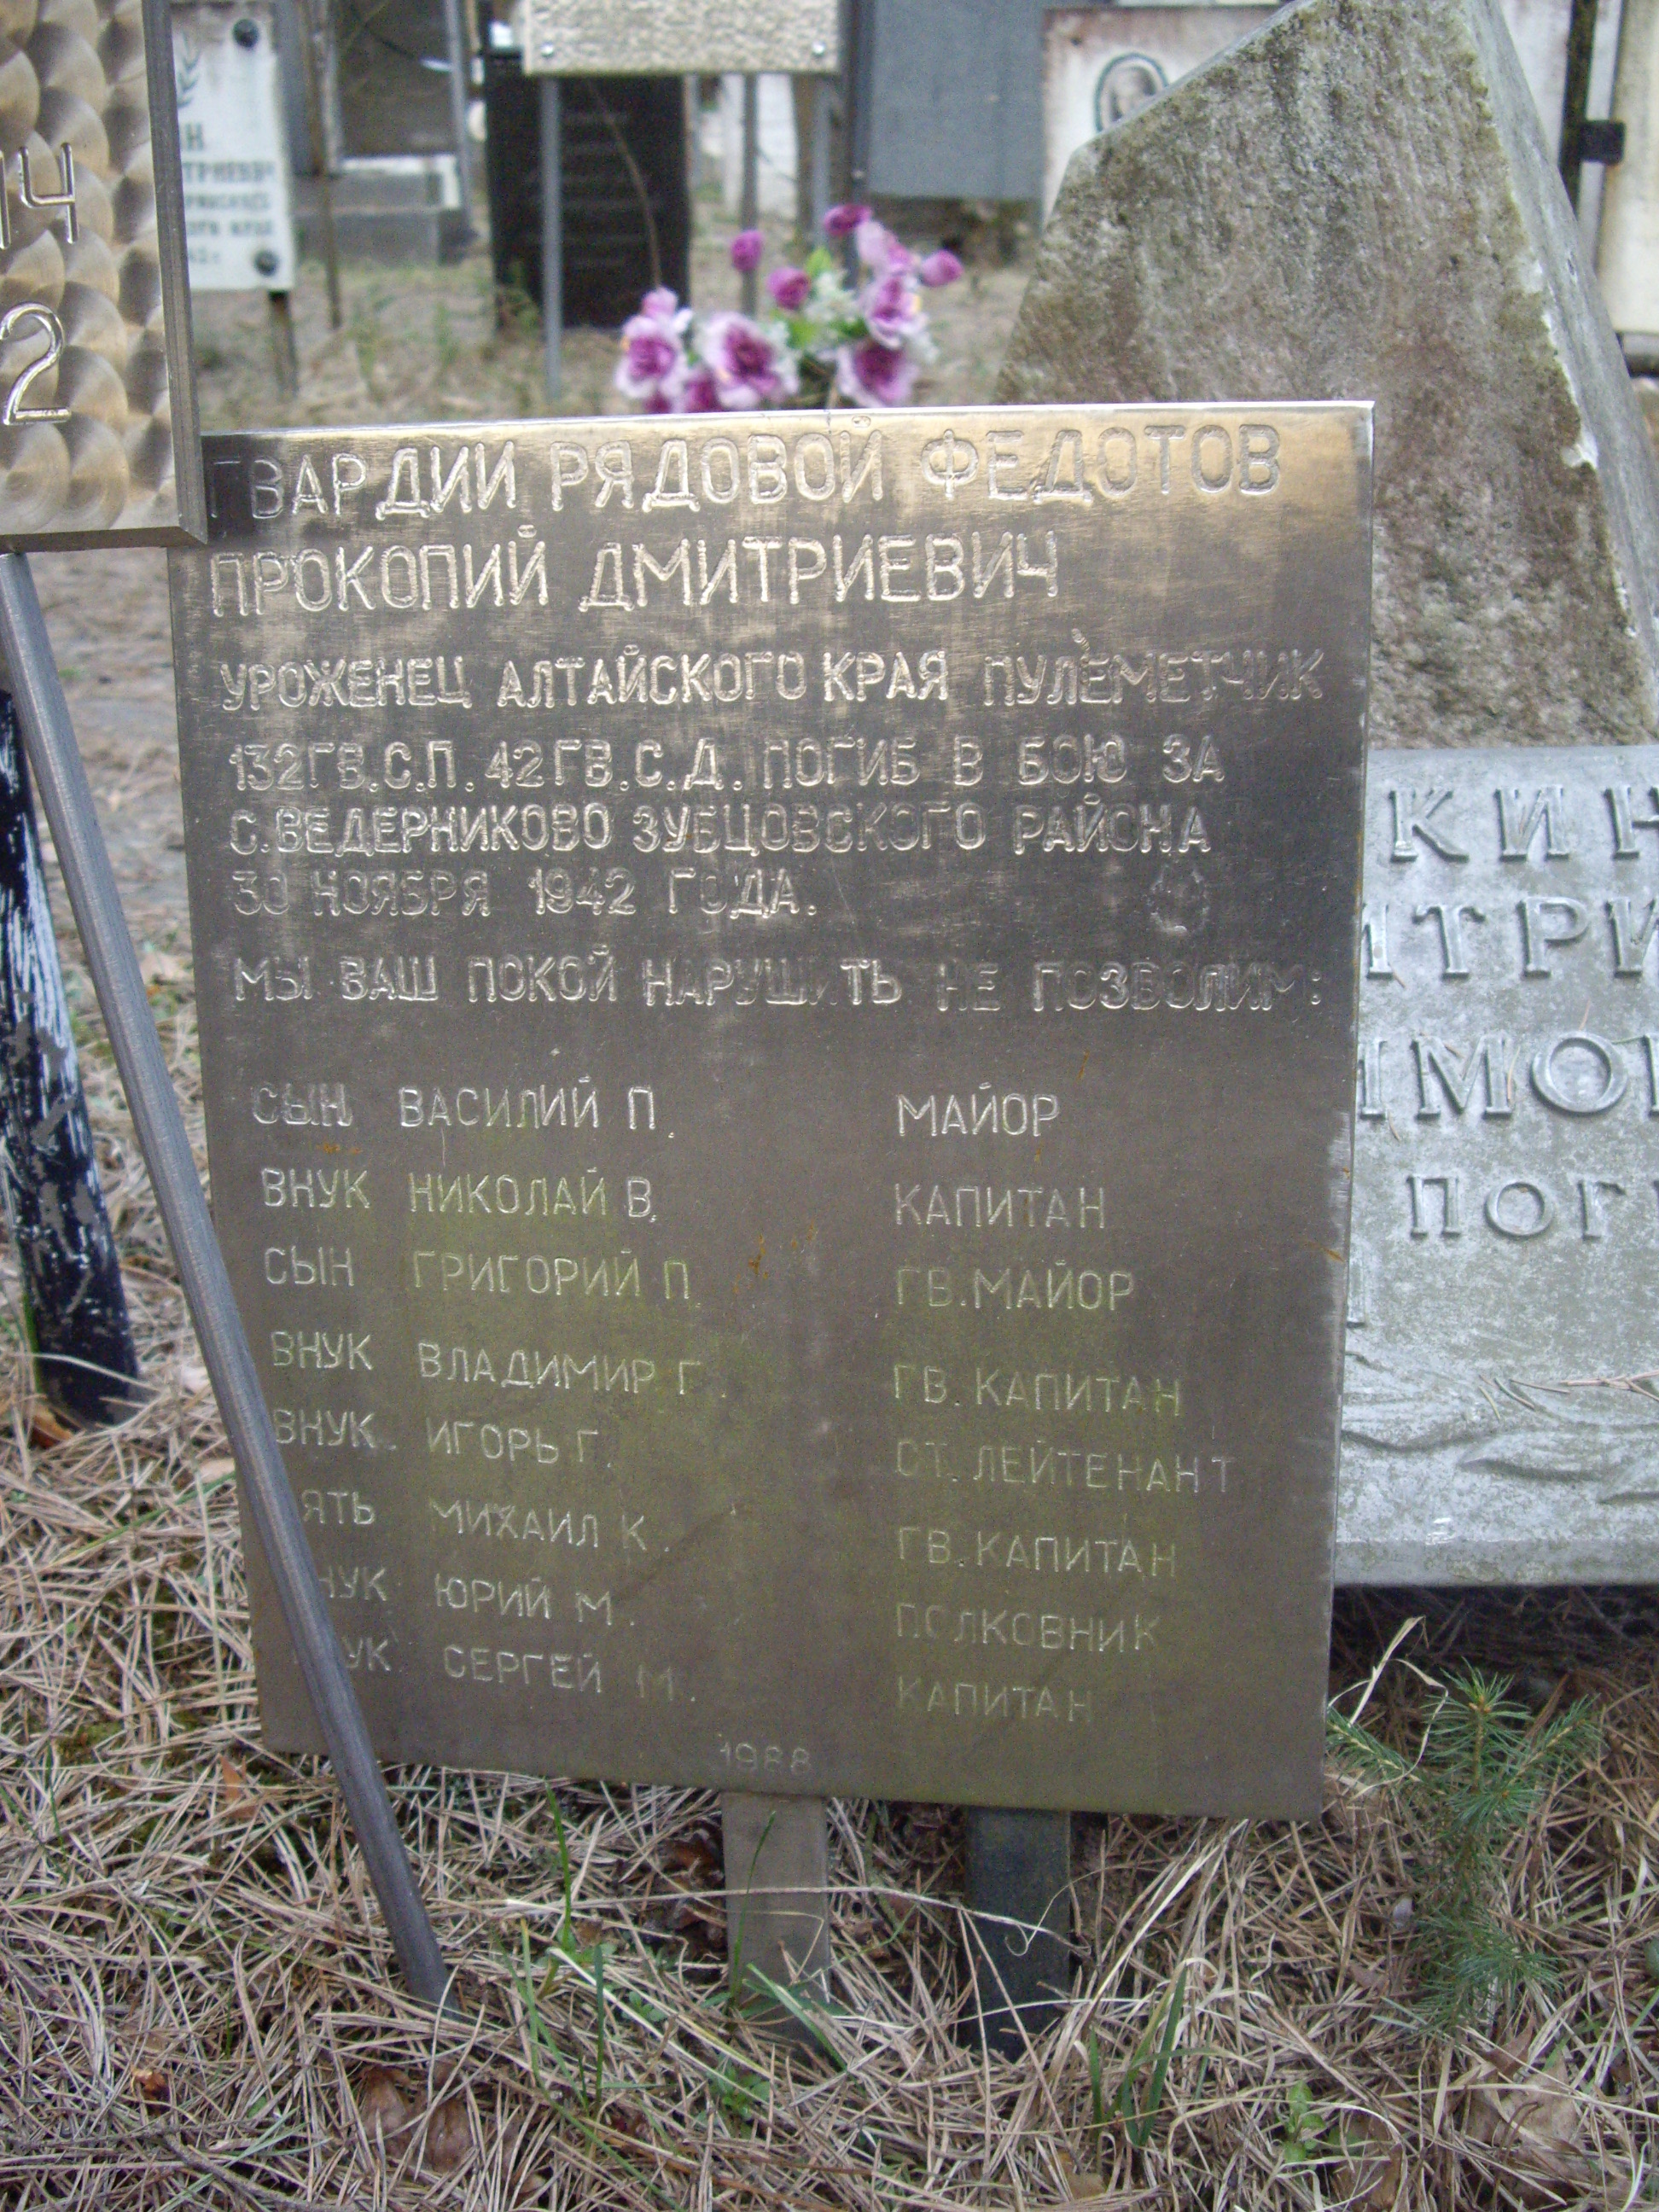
(874, 245)
(751, 368)
(790, 289)
(842, 222)
(881, 252)
(891, 308)
(940, 268)
(663, 305)
(652, 360)
(871, 374)
(698, 393)
(746, 250)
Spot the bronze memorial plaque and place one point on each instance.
(98, 433)
(778, 1013)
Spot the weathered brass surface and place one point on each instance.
(1501, 1417)
(680, 38)
(777, 1007)
(98, 435)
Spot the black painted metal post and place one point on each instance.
(1019, 1874)
(1581, 40)
(74, 1306)
(43, 717)
(749, 215)
(552, 150)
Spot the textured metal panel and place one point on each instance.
(1501, 1414)
(97, 404)
(680, 38)
(953, 100)
(779, 1092)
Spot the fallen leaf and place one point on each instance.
(46, 1427)
(240, 1802)
(448, 2136)
(382, 2107)
(697, 1854)
(1373, 2176)
(158, 968)
(222, 1463)
(192, 1377)
(1529, 2115)
(1081, 2181)
(151, 2084)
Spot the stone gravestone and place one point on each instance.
(1499, 1414)
(1501, 1407)
(778, 1027)
(1272, 226)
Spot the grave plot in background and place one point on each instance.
(779, 1050)
(97, 406)
(238, 217)
(1101, 65)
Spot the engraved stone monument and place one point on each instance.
(1499, 1411)
(1417, 250)
(98, 438)
(1501, 1407)
(777, 1023)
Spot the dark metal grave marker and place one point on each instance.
(778, 1030)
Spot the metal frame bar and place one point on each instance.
(169, 185)
(552, 237)
(55, 758)
(460, 91)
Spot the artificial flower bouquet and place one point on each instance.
(827, 339)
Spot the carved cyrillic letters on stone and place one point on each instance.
(1358, 203)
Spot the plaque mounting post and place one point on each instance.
(1019, 1873)
(49, 739)
(777, 1901)
(456, 48)
(552, 238)
(750, 213)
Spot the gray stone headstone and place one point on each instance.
(1358, 203)
(1500, 1410)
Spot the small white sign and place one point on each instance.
(239, 213)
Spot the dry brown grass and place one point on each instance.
(197, 2004)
